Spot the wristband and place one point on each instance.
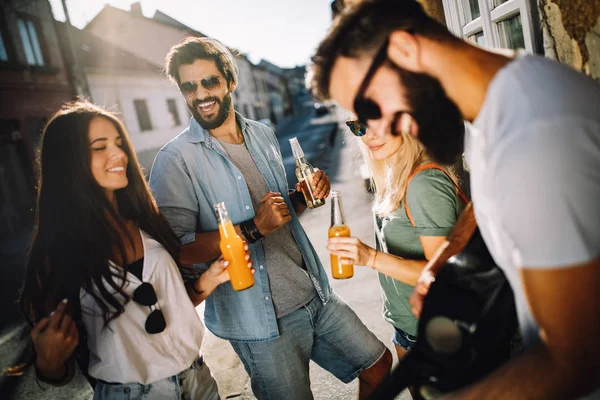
(253, 229)
(250, 231)
(246, 233)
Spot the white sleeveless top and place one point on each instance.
(124, 352)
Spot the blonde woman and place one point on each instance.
(415, 206)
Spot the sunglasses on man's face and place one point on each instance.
(145, 295)
(190, 88)
(367, 109)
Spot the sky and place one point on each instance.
(284, 32)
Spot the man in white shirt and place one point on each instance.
(533, 152)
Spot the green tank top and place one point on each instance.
(434, 206)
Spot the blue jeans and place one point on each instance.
(331, 335)
(403, 339)
(195, 383)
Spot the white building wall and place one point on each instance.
(246, 96)
(118, 92)
(143, 37)
(264, 100)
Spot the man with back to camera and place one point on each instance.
(533, 150)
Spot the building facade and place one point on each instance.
(278, 91)
(151, 108)
(246, 97)
(152, 38)
(262, 106)
(33, 84)
(564, 30)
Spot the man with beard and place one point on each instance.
(533, 151)
(290, 316)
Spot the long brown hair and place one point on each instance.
(76, 228)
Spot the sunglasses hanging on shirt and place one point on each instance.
(145, 295)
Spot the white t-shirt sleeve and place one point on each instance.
(549, 192)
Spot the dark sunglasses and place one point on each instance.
(145, 295)
(356, 127)
(367, 109)
(190, 88)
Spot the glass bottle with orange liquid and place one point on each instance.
(232, 248)
(339, 229)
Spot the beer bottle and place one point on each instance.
(339, 229)
(305, 173)
(232, 248)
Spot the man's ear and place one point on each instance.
(404, 50)
(232, 86)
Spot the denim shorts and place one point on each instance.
(194, 383)
(403, 339)
(331, 335)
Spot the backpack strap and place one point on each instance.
(422, 167)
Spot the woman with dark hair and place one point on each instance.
(101, 244)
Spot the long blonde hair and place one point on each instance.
(390, 176)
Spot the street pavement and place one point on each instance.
(328, 145)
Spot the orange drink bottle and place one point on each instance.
(339, 229)
(232, 248)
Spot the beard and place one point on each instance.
(224, 106)
(441, 124)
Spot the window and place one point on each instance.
(31, 42)
(493, 23)
(511, 33)
(3, 53)
(143, 116)
(172, 106)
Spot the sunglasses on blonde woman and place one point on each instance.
(356, 127)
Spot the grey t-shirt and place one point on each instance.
(534, 153)
(290, 285)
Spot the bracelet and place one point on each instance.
(374, 259)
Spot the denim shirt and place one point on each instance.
(193, 172)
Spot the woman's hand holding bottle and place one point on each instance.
(351, 250)
(217, 274)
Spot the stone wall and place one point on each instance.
(571, 33)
